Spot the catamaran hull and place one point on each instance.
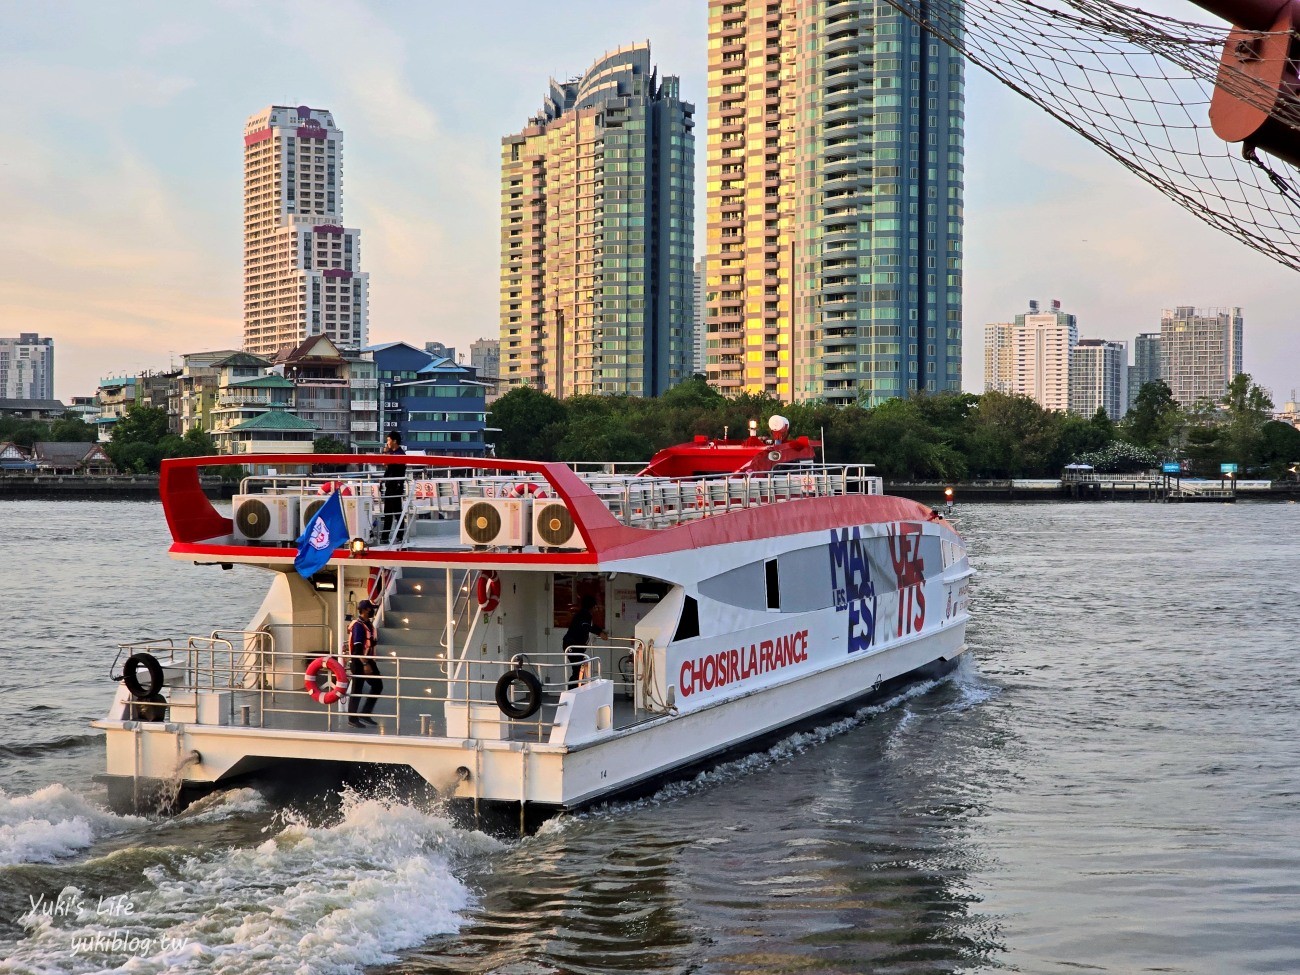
(147, 761)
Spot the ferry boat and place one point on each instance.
(744, 588)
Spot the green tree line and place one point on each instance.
(139, 443)
(948, 437)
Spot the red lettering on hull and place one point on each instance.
(715, 670)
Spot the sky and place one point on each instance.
(121, 157)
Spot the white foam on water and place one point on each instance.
(52, 823)
(784, 750)
(222, 805)
(318, 899)
(972, 687)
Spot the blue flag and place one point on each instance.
(323, 534)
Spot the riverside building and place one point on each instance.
(596, 234)
(835, 188)
(27, 367)
(302, 267)
(1031, 356)
(1146, 364)
(1099, 378)
(1200, 352)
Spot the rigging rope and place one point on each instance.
(1138, 86)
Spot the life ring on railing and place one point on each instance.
(488, 591)
(327, 687)
(150, 663)
(528, 489)
(532, 700)
(329, 487)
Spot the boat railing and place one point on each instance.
(275, 693)
(635, 501)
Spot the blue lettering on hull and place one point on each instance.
(853, 588)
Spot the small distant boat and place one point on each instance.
(744, 588)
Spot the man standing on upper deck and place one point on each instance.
(394, 487)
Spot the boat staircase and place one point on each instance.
(412, 625)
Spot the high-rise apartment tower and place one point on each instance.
(1146, 364)
(27, 367)
(596, 234)
(1200, 352)
(302, 267)
(1099, 378)
(1031, 356)
(835, 186)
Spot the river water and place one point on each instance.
(1110, 782)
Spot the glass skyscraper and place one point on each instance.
(835, 188)
(596, 235)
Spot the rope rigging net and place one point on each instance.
(1138, 85)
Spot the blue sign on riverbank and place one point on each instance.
(1171, 467)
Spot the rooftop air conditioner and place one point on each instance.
(553, 526)
(358, 512)
(265, 518)
(502, 522)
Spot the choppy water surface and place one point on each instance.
(1110, 782)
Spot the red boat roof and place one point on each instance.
(199, 530)
(750, 456)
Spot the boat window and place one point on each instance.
(805, 580)
(689, 624)
(773, 585)
(744, 587)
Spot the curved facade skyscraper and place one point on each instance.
(596, 234)
(835, 189)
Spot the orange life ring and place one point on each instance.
(328, 687)
(528, 488)
(488, 591)
(329, 487)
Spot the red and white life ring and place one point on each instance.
(329, 487)
(328, 687)
(528, 489)
(488, 591)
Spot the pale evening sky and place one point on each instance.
(121, 176)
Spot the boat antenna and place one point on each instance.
(823, 438)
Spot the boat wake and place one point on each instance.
(52, 823)
(784, 750)
(321, 898)
(221, 805)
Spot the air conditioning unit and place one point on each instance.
(266, 517)
(358, 512)
(495, 521)
(553, 526)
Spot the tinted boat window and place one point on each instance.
(745, 587)
(689, 624)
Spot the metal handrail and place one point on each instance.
(216, 664)
(634, 501)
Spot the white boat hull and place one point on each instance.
(141, 755)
